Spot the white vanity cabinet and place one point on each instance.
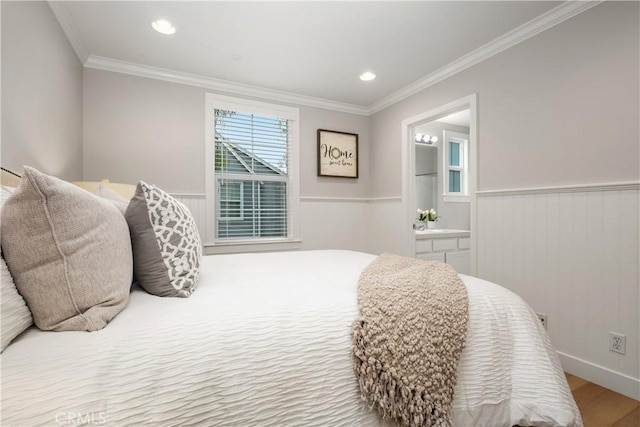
(450, 246)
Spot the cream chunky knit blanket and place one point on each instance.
(408, 340)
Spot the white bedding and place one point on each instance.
(265, 341)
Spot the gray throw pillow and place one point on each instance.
(166, 243)
(69, 253)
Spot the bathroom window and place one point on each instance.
(456, 155)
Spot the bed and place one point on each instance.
(265, 340)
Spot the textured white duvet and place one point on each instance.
(265, 341)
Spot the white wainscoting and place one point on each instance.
(572, 254)
(326, 223)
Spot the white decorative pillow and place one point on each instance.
(5, 193)
(69, 253)
(166, 244)
(16, 317)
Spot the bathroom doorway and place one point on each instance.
(439, 169)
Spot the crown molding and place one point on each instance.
(108, 64)
(537, 25)
(551, 18)
(63, 15)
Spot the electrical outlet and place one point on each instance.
(543, 319)
(617, 343)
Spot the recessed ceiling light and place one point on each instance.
(367, 77)
(163, 26)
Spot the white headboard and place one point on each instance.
(12, 179)
(125, 190)
(9, 178)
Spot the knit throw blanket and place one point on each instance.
(409, 337)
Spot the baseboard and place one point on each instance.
(602, 376)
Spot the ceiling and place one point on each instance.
(313, 49)
(461, 118)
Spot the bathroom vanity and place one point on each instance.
(450, 246)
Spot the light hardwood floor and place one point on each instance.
(601, 407)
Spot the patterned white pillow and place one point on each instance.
(166, 243)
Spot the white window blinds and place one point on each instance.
(251, 164)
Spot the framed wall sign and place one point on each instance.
(337, 154)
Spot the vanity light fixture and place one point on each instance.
(367, 76)
(427, 139)
(163, 26)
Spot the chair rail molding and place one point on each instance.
(573, 188)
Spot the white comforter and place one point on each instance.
(265, 341)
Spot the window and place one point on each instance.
(455, 166)
(252, 187)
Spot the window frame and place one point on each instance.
(292, 240)
(463, 168)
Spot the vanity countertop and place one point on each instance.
(441, 232)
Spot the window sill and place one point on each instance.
(455, 198)
(252, 246)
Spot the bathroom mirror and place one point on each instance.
(426, 179)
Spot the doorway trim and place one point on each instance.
(408, 170)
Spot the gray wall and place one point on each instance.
(566, 99)
(41, 93)
(137, 128)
